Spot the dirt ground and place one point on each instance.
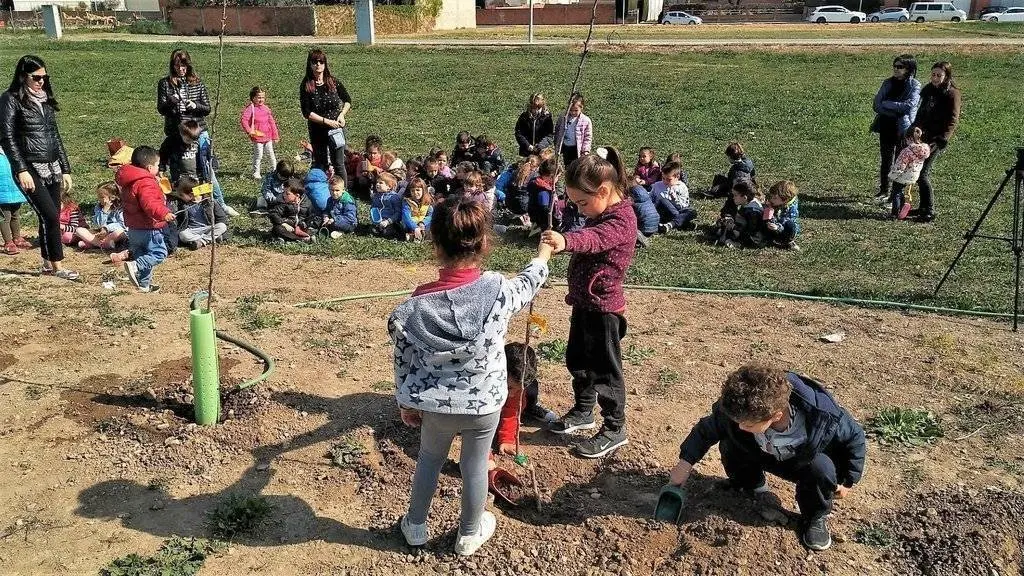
(99, 459)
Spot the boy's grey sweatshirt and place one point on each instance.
(449, 350)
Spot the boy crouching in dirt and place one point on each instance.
(523, 397)
(769, 420)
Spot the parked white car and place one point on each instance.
(1009, 15)
(823, 14)
(680, 17)
(936, 12)
(890, 15)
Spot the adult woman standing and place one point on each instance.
(32, 143)
(534, 129)
(937, 118)
(895, 107)
(181, 95)
(325, 102)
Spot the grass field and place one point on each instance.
(803, 115)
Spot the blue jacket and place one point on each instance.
(112, 221)
(271, 190)
(742, 168)
(830, 429)
(317, 188)
(410, 223)
(343, 210)
(9, 191)
(389, 204)
(904, 109)
(789, 213)
(646, 212)
(501, 185)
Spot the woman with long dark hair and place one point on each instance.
(895, 106)
(181, 95)
(937, 118)
(32, 143)
(325, 102)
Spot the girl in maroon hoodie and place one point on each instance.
(602, 251)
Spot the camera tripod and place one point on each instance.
(1016, 240)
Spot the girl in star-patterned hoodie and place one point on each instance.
(449, 360)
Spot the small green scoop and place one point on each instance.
(670, 504)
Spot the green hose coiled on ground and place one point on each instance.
(268, 362)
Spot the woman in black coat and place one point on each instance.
(937, 118)
(325, 102)
(535, 130)
(181, 95)
(39, 162)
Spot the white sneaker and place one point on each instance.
(336, 234)
(468, 545)
(415, 534)
(132, 269)
(230, 211)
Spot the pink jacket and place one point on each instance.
(262, 119)
(584, 132)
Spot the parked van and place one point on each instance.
(936, 12)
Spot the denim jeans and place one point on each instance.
(148, 248)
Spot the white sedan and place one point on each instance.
(823, 14)
(680, 17)
(1009, 15)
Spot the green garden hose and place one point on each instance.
(268, 362)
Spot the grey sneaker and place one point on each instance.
(816, 535)
(541, 414)
(132, 270)
(572, 422)
(604, 442)
(415, 534)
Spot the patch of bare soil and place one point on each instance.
(101, 458)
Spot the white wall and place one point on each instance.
(134, 5)
(456, 14)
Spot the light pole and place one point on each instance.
(530, 39)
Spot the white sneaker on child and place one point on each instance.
(230, 211)
(336, 234)
(415, 534)
(468, 545)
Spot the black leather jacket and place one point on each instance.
(28, 133)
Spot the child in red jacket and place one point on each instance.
(145, 214)
(523, 393)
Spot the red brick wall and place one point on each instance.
(248, 21)
(551, 14)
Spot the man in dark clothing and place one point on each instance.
(768, 420)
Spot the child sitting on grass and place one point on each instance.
(523, 397)
(450, 366)
(784, 224)
(194, 228)
(386, 207)
(671, 197)
(740, 168)
(272, 187)
(109, 216)
(489, 159)
(285, 216)
(769, 420)
(740, 219)
(417, 210)
(438, 183)
(541, 194)
(74, 229)
(341, 215)
(647, 171)
(464, 151)
(145, 213)
(647, 218)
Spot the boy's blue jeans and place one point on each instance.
(815, 480)
(671, 214)
(148, 248)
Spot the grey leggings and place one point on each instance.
(10, 228)
(436, 435)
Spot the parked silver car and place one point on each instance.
(890, 15)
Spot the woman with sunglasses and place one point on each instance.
(325, 102)
(895, 107)
(32, 143)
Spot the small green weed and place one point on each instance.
(383, 386)
(635, 355)
(177, 557)
(157, 484)
(111, 318)
(348, 453)
(553, 351)
(905, 426)
(873, 535)
(33, 392)
(238, 514)
(913, 474)
(667, 378)
(249, 315)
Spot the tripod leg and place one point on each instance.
(970, 235)
(1017, 241)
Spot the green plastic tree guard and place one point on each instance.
(205, 368)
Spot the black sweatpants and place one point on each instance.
(594, 358)
(324, 154)
(570, 154)
(924, 182)
(889, 145)
(45, 202)
(815, 480)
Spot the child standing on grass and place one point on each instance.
(11, 200)
(906, 170)
(341, 215)
(146, 214)
(450, 366)
(769, 420)
(258, 123)
(602, 251)
(578, 129)
(417, 210)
